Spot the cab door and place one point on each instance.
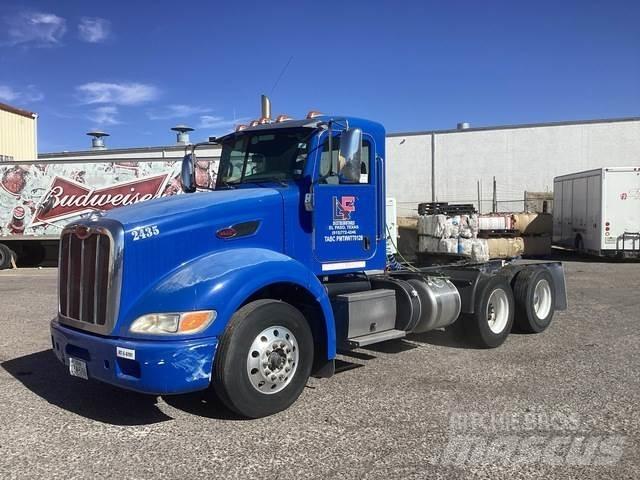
(344, 214)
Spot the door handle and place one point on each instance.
(366, 243)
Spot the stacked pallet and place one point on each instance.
(511, 235)
(536, 230)
(458, 230)
(454, 235)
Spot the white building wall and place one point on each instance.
(408, 169)
(521, 159)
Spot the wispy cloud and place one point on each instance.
(176, 111)
(28, 94)
(218, 123)
(7, 94)
(93, 29)
(117, 93)
(37, 29)
(105, 115)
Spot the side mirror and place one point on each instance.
(350, 156)
(187, 177)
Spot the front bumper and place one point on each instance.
(160, 367)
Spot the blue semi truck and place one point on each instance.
(253, 287)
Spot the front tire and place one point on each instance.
(264, 358)
(491, 322)
(6, 257)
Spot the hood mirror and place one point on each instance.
(187, 177)
(350, 155)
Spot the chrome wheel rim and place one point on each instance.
(497, 311)
(542, 299)
(272, 359)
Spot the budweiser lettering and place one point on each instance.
(72, 198)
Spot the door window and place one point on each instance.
(329, 163)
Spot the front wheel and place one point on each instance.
(491, 322)
(7, 257)
(264, 358)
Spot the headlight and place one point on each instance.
(173, 323)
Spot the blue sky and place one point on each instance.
(137, 68)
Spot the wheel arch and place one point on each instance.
(226, 280)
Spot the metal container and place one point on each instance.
(440, 302)
(363, 313)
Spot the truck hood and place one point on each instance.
(163, 235)
(194, 208)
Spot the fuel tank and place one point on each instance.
(439, 301)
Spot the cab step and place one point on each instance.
(376, 337)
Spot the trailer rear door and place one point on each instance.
(621, 209)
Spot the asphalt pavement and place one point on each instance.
(562, 404)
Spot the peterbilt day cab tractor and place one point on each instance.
(253, 287)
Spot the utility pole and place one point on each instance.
(495, 196)
(479, 207)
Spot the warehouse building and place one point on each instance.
(459, 165)
(455, 165)
(18, 134)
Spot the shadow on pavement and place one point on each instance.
(442, 338)
(42, 374)
(204, 404)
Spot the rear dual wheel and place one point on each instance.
(491, 322)
(533, 289)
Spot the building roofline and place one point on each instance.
(517, 126)
(115, 151)
(173, 148)
(17, 111)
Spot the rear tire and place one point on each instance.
(533, 291)
(264, 358)
(490, 324)
(6, 255)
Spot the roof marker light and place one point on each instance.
(283, 118)
(313, 114)
(239, 128)
(254, 123)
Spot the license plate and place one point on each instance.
(78, 368)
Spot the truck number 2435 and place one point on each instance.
(141, 233)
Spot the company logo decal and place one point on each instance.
(343, 207)
(71, 198)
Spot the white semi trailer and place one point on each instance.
(598, 211)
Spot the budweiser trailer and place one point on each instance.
(598, 211)
(39, 198)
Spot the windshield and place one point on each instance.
(260, 156)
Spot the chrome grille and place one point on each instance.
(85, 271)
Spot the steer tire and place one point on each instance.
(6, 255)
(534, 309)
(490, 324)
(236, 375)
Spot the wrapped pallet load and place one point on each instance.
(505, 247)
(533, 223)
(474, 248)
(495, 221)
(454, 235)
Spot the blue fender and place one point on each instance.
(222, 281)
